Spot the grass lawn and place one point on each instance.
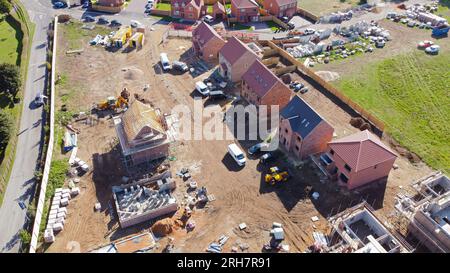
(239, 26)
(410, 93)
(163, 6)
(272, 25)
(209, 8)
(76, 35)
(9, 43)
(326, 7)
(444, 9)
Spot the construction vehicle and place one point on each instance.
(275, 176)
(113, 103)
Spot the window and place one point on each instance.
(331, 151)
(375, 166)
(176, 12)
(297, 148)
(176, 5)
(347, 167)
(286, 130)
(343, 178)
(191, 8)
(299, 139)
(242, 10)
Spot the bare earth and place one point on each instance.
(241, 194)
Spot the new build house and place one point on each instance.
(245, 10)
(359, 159)
(187, 9)
(235, 58)
(142, 133)
(281, 8)
(206, 42)
(303, 131)
(219, 11)
(261, 87)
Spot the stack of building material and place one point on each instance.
(49, 237)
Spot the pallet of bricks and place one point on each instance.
(58, 212)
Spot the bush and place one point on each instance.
(56, 177)
(6, 128)
(9, 78)
(25, 237)
(5, 6)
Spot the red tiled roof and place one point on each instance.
(234, 49)
(244, 4)
(219, 6)
(362, 150)
(195, 3)
(204, 32)
(259, 78)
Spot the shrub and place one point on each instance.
(6, 128)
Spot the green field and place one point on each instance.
(76, 36)
(444, 9)
(325, 7)
(163, 6)
(411, 94)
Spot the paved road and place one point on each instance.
(21, 184)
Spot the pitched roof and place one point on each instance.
(204, 32)
(138, 116)
(362, 150)
(219, 6)
(242, 4)
(259, 78)
(285, 2)
(234, 49)
(195, 3)
(302, 117)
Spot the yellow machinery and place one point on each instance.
(275, 175)
(121, 36)
(113, 103)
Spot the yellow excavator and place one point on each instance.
(275, 176)
(113, 103)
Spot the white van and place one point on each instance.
(165, 62)
(202, 88)
(236, 154)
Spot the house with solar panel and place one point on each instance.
(303, 132)
(358, 159)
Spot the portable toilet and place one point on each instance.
(121, 36)
(137, 40)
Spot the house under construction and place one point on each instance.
(428, 212)
(143, 134)
(358, 230)
(145, 199)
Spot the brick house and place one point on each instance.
(261, 87)
(281, 8)
(303, 131)
(245, 10)
(235, 58)
(187, 9)
(206, 42)
(142, 134)
(359, 159)
(219, 11)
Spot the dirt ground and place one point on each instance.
(241, 193)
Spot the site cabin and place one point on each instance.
(245, 10)
(235, 58)
(358, 159)
(190, 10)
(142, 134)
(281, 8)
(261, 87)
(121, 36)
(137, 40)
(303, 132)
(206, 42)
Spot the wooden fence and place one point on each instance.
(159, 12)
(327, 86)
(308, 15)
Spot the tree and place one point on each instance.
(25, 237)
(5, 6)
(6, 128)
(9, 78)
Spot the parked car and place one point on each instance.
(135, 24)
(425, 44)
(89, 18)
(217, 95)
(165, 62)
(202, 88)
(180, 66)
(60, 5)
(284, 19)
(22, 205)
(304, 90)
(309, 31)
(103, 21)
(115, 23)
(208, 19)
(257, 148)
(86, 5)
(433, 50)
(291, 26)
(236, 154)
(411, 24)
(267, 157)
(39, 99)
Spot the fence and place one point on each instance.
(328, 87)
(159, 12)
(308, 15)
(48, 158)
